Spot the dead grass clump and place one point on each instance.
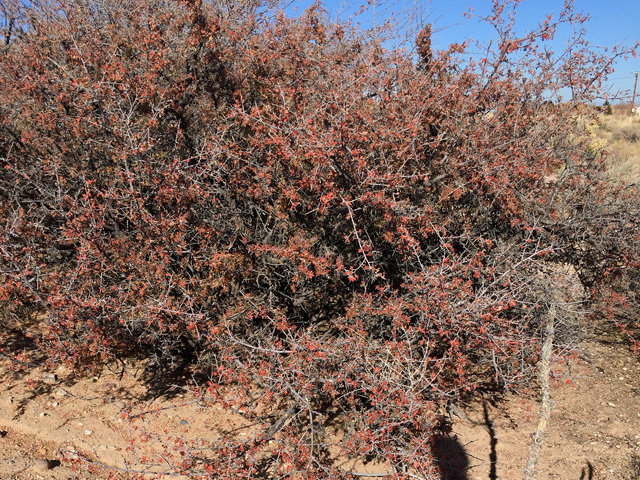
(629, 134)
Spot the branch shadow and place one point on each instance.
(493, 455)
(451, 457)
(588, 473)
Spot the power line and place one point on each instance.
(635, 84)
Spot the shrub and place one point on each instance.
(607, 108)
(628, 134)
(332, 231)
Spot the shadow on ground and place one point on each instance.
(451, 458)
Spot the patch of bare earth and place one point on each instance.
(594, 432)
(114, 420)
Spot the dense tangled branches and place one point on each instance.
(336, 233)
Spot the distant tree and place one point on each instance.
(607, 108)
(339, 239)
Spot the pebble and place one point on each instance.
(49, 377)
(61, 392)
(88, 432)
(71, 452)
(42, 465)
(611, 404)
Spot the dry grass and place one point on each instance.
(620, 137)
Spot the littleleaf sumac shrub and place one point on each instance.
(341, 234)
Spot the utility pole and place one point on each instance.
(633, 99)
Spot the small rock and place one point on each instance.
(102, 447)
(611, 404)
(110, 386)
(183, 422)
(71, 453)
(49, 377)
(42, 465)
(88, 432)
(61, 392)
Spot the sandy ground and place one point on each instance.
(594, 431)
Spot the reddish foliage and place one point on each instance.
(291, 209)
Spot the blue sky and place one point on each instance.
(612, 22)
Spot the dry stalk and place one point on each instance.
(545, 402)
